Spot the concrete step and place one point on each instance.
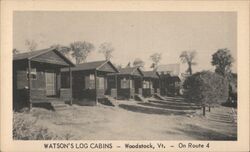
(140, 98)
(59, 105)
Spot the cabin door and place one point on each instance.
(50, 77)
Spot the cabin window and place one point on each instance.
(132, 84)
(91, 77)
(65, 80)
(101, 83)
(90, 82)
(33, 74)
(145, 84)
(124, 83)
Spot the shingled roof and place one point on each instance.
(33, 54)
(129, 70)
(90, 66)
(150, 74)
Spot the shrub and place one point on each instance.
(26, 130)
(206, 88)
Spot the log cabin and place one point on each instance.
(170, 80)
(36, 77)
(128, 82)
(89, 84)
(170, 85)
(151, 83)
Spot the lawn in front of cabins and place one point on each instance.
(133, 120)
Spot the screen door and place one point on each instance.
(50, 77)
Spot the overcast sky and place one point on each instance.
(133, 34)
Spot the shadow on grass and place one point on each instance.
(171, 106)
(150, 110)
(200, 133)
(172, 103)
(44, 105)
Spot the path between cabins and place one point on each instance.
(131, 120)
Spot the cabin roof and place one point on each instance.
(32, 54)
(172, 78)
(173, 69)
(150, 74)
(91, 66)
(130, 71)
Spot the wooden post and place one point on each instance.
(116, 85)
(204, 110)
(141, 86)
(129, 87)
(96, 98)
(159, 81)
(70, 85)
(29, 85)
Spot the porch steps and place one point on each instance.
(140, 97)
(107, 100)
(58, 105)
(157, 95)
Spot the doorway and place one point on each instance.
(50, 78)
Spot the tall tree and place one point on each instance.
(156, 58)
(31, 45)
(138, 63)
(222, 60)
(106, 49)
(80, 50)
(188, 57)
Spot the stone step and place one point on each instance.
(141, 98)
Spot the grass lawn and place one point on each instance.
(132, 120)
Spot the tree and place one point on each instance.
(188, 57)
(206, 88)
(128, 65)
(15, 51)
(138, 63)
(222, 60)
(118, 66)
(80, 50)
(106, 49)
(31, 45)
(156, 57)
(63, 49)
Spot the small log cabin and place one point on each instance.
(129, 82)
(89, 82)
(170, 85)
(36, 77)
(151, 83)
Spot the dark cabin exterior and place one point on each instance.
(170, 85)
(89, 82)
(129, 82)
(36, 77)
(151, 83)
(169, 77)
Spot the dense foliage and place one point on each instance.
(206, 88)
(222, 60)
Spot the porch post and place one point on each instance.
(70, 85)
(141, 86)
(129, 87)
(96, 99)
(29, 85)
(116, 85)
(159, 83)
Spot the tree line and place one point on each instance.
(80, 50)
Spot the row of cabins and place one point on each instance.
(46, 74)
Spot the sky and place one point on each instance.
(133, 34)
